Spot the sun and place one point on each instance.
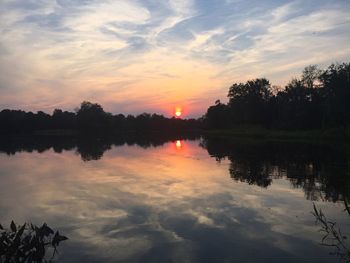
(178, 112)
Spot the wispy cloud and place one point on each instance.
(67, 51)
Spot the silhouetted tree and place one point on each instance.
(319, 99)
(336, 95)
(91, 116)
(248, 101)
(299, 106)
(310, 75)
(63, 119)
(218, 116)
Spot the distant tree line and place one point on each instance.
(319, 99)
(90, 117)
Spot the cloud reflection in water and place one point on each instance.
(160, 204)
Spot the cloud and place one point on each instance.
(62, 50)
(118, 208)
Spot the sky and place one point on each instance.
(134, 56)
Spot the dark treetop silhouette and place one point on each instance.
(319, 99)
(89, 117)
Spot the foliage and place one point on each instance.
(92, 116)
(218, 115)
(89, 117)
(248, 101)
(310, 75)
(319, 99)
(258, 89)
(333, 236)
(28, 243)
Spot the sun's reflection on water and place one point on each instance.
(178, 144)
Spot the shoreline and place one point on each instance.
(245, 133)
(336, 134)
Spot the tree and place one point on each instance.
(249, 101)
(310, 75)
(92, 116)
(299, 106)
(259, 89)
(336, 95)
(218, 116)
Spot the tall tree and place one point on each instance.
(92, 116)
(249, 101)
(310, 75)
(336, 83)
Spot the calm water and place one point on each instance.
(176, 200)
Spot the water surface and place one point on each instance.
(172, 199)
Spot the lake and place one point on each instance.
(154, 198)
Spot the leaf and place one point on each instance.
(28, 243)
(62, 238)
(20, 231)
(57, 239)
(45, 230)
(13, 226)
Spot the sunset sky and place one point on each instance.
(137, 56)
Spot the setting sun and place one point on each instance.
(178, 112)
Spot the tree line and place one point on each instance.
(318, 99)
(90, 117)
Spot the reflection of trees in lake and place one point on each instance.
(320, 170)
(92, 148)
(89, 147)
(250, 172)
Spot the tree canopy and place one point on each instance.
(319, 99)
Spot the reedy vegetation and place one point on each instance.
(28, 243)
